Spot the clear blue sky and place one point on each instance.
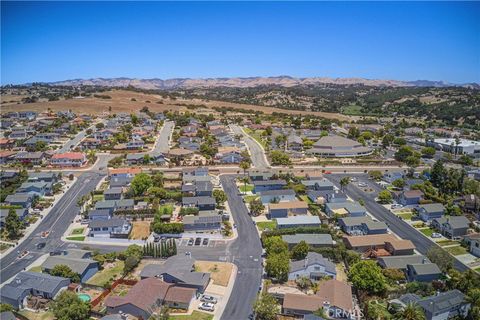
(405, 41)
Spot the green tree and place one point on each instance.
(344, 182)
(266, 307)
(256, 207)
(220, 197)
(403, 153)
(399, 183)
(158, 179)
(441, 257)
(68, 306)
(275, 245)
(280, 158)
(303, 282)
(140, 184)
(12, 224)
(300, 251)
(375, 175)
(278, 266)
(133, 250)
(61, 270)
(428, 152)
(412, 311)
(385, 197)
(4, 307)
(134, 119)
(367, 275)
(130, 263)
(245, 165)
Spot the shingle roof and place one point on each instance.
(298, 220)
(114, 222)
(282, 192)
(312, 258)
(401, 262)
(270, 182)
(77, 265)
(309, 238)
(442, 302)
(425, 268)
(27, 280)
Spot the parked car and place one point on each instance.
(362, 184)
(205, 241)
(190, 242)
(41, 245)
(207, 306)
(207, 298)
(198, 241)
(436, 235)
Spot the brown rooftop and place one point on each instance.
(180, 295)
(338, 293)
(368, 240)
(302, 302)
(289, 205)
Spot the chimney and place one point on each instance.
(424, 261)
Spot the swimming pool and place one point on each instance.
(84, 297)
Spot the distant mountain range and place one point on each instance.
(285, 81)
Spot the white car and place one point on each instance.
(436, 235)
(362, 184)
(208, 299)
(207, 306)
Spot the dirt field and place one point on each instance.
(121, 102)
(140, 230)
(219, 271)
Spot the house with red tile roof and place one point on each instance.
(68, 159)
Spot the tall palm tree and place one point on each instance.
(244, 165)
(412, 311)
(344, 182)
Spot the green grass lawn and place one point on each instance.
(78, 231)
(98, 197)
(196, 315)
(250, 198)
(37, 316)
(447, 242)
(455, 251)
(76, 238)
(166, 209)
(246, 188)
(36, 269)
(428, 232)
(262, 225)
(477, 269)
(405, 216)
(103, 276)
(306, 199)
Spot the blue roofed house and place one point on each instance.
(114, 193)
(410, 197)
(348, 208)
(336, 196)
(78, 261)
(99, 214)
(318, 183)
(282, 195)
(363, 225)
(428, 212)
(23, 200)
(315, 267)
(445, 305)
(452, 226)
(267, 185)
(36, 189)
(423, 272)
(32, 283)
(204, 203)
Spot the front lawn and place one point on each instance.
(166, 209)
(219, 271)
(78, 231)
(456, 251)
(262, 225)
(405, 216)
(35, 269)
(250, 198)
(98, 197)
(246, 188)
(428, 232)
(196, 315)
(110, 270)
(447, 242)
(306, 199)
(76, 238)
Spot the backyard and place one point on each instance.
(262, 225)
(111, 270)
(196, 315)
(37, 315)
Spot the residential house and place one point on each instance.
(392, 176)
(204, 221)
(333, 296)
(472, 203)
(410, 197)
(123, 172)
(111, 228)
(318, 183)
(298, 222)
(261, 185)
(314, 240)
(452, 227)
(282, 195)
(36, 189)
(28, 283)
(363, 225)
(135, 145)
(30, 158)
(428, 212)
(146, 297)
(336, 196)
(52, 177)
(99, 214)
(202, 203)
(423, 272)
(23, 200)
(401, 262)
(7, 157)
(198, 171)
(314, 267)
(78, 261)
(376, 245)
(294, 142)
(21, 213)
(114, 193)
(180, 270)
(228, 155)
(445, 305)
(198, 188)
(6, 143)
(259, 175)
(124, 204)
(68, 159)
(284, 209)
(110, 205)
(348, 208)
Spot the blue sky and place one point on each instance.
(405, 41)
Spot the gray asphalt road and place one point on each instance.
(256, 152)
(398, 226)
(57, 222)
(163, 137)
(243, 251)
(73, 142)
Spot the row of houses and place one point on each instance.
(66, 159)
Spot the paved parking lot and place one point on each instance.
(203, 242)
